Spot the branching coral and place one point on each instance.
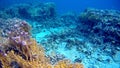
(36, 59)
(36, 55)
(21, 51)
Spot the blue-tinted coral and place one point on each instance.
(39, 12)
(102, 23)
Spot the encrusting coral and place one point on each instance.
(19, 50)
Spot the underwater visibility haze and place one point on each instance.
(59, 34)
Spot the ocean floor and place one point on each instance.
(77, 48)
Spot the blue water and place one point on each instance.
(63, 6)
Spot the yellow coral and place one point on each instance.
(66, 64)
(35, 58)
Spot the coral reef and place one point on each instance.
(103, 23)
(68, 18)
(13, 27)
(91, 38)
(39, 12)
(19, 50)
(74, 35)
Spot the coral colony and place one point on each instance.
(19, 50)
(47, 40)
